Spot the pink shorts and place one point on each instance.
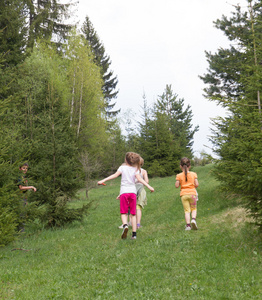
(128, 201)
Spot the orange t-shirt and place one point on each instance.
(187, 187)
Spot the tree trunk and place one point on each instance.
(255, 51)
(73, 99)
(80, 106)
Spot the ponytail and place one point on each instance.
(185, 170)
(185, 163)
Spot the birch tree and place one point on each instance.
(86, 103)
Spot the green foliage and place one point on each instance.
(56, 170)
(85, 102)
(202, 160)
(86, 105)
(7, 226)
(156, 169)
(9, 202)
(166, 134)
(103, 61)
(59, 214)
(22, 23)
(9, 148)
(234, 80)
(113, 151)
(47, 21)
(52, 111)
(12, 32)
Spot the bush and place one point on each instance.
(8, 225)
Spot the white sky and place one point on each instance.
(152, 43)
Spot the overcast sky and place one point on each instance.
(153, 43)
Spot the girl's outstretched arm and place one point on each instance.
(140, 179)
(113, 176)
(144, 173)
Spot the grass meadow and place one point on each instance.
(88, 260)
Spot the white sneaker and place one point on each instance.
(194, 224)
(187, 228)
(124, 233)
(121, 226)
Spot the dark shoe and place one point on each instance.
(124, 233)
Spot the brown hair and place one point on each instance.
(185, 163)
(24, 164)
(133, 159)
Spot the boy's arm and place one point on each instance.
(25, 188)
(140, 179)
(113, 176)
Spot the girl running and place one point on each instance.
(129, 173)
(188, 182)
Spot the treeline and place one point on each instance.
(234, 80)
(57, 113)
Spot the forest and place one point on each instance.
(57, 114)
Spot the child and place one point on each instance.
(23, 187)
(141, 193)
(23, 183)
(188, 182)
(129, 172)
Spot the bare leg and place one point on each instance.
(194, 214)
(187, 217)
(133, 221)
(138, 215)
(124, 218)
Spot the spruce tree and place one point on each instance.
(23, 22)
(179, 119)
(166, 134)
(234, 81)
(9, 198)
(103, 61)
(46, 20)
(12, 32)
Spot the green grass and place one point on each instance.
(222, 260)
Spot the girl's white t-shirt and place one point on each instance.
(128, 177)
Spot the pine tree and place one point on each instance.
(12, 32)
(22, 23)
(166, 134)
(103, 61)
(9, 204)
(180, 119)
(47, 21)
(234, 80)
